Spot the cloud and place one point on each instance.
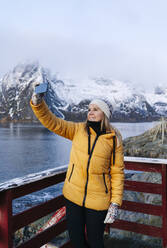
(121, 39)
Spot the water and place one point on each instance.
(133, 129)
(29, 148)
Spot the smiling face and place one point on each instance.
(95, 113)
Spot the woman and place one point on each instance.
(93, 186)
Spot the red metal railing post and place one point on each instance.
(6, 219)
(164, 204)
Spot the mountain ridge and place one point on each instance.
(69, 99)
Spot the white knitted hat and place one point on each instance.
(103, 106)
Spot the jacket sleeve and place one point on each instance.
(61, 127)
(117, 176)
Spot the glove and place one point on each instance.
(112, 213)
(36, 98)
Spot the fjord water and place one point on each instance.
(28, 148)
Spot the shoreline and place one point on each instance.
(2, 121)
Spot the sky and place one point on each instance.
(121, 39)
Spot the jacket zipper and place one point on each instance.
(105, 183)
(87, 178)
(114, 150)
(71, 173)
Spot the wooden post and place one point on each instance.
(164, 205)
(6, 219)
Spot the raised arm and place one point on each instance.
(61, 127)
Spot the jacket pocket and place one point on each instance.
(71, 173)
(106, 190)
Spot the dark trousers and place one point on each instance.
(80, 217)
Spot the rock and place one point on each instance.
(151, 144)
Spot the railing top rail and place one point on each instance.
(16, 182)
(145, 160)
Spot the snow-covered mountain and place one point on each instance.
(158, 100)
(16, 89)
(127, 102)
(69, 99)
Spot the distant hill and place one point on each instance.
(150, 144)
(69, 99)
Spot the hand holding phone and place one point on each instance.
(39, 91)
(41, 88)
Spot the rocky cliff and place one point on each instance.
(151, 144)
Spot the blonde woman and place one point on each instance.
(94, 181)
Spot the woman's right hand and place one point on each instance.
(36, 98)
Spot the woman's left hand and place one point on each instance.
(112, 213)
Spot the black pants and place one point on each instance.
(80, 217)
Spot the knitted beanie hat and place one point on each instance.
(104, 106)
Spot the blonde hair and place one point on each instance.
(105, 124)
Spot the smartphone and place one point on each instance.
(41, 88)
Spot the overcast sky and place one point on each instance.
(121, 39)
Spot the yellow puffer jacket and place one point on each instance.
(92, 180)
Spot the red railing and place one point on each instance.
(146, 165)
(10, 223)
